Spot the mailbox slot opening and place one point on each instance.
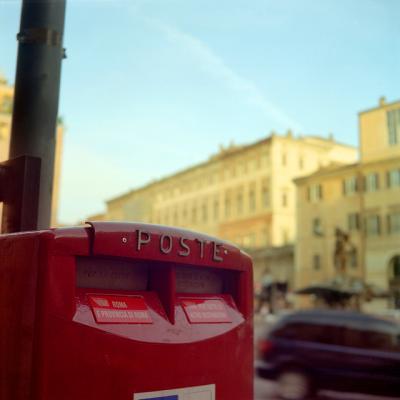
(166, 279)
(207, 280)
(111, 274)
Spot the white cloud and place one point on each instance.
(216, 66)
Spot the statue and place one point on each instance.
(343, 247)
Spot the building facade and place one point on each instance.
(6, 102)
(361, 199)
(243, 194)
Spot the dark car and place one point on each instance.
(336, 350)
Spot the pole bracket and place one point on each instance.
(46, 36)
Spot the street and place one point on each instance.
(266, 390)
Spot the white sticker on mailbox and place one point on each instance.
(206, 392)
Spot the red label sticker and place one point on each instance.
(201, 311)
(119, 310)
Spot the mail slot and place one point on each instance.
(125, 312)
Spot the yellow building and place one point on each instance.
(244, 194)
(363, 200)
(6, 101)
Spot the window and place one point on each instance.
(265, 195)
(368, 339)
(194, 215)
(264, 160)
(252, 200)
(393, 122)
(239, 204)
(373, 225)
(301, 163)
(6, 105)
(166, 217)
(350, 186)
(315, 193)
(317, 227)
(284, 159)
(394, 223)
(353, 222)
(285, 236)
(227, 208)
(264, 237)
(204, 212)
(284, 200)
(216, 209)
(184, 215)
(372, 182)
(353, 258)
(393, 178)
(395, 267)
(316, 262)
(309, 332)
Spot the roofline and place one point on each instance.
(218, 157)
(329, 140)
(379, 107)
(326, 172)
(211, 160)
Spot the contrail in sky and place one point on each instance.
(213, 64)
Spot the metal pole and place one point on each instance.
(37, 87)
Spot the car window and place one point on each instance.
(318, 333)
(372, 340)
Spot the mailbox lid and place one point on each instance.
(162, 243)
(147, 241)
(70, 241)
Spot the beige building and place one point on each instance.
(362, 199)
(244, 194)
(6, 101)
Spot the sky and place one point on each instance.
(153, 86)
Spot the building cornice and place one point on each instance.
(380, 107)
(334, 171)
(232, 152)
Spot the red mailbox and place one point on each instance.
(124, 312)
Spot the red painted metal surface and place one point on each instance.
(53, 347)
